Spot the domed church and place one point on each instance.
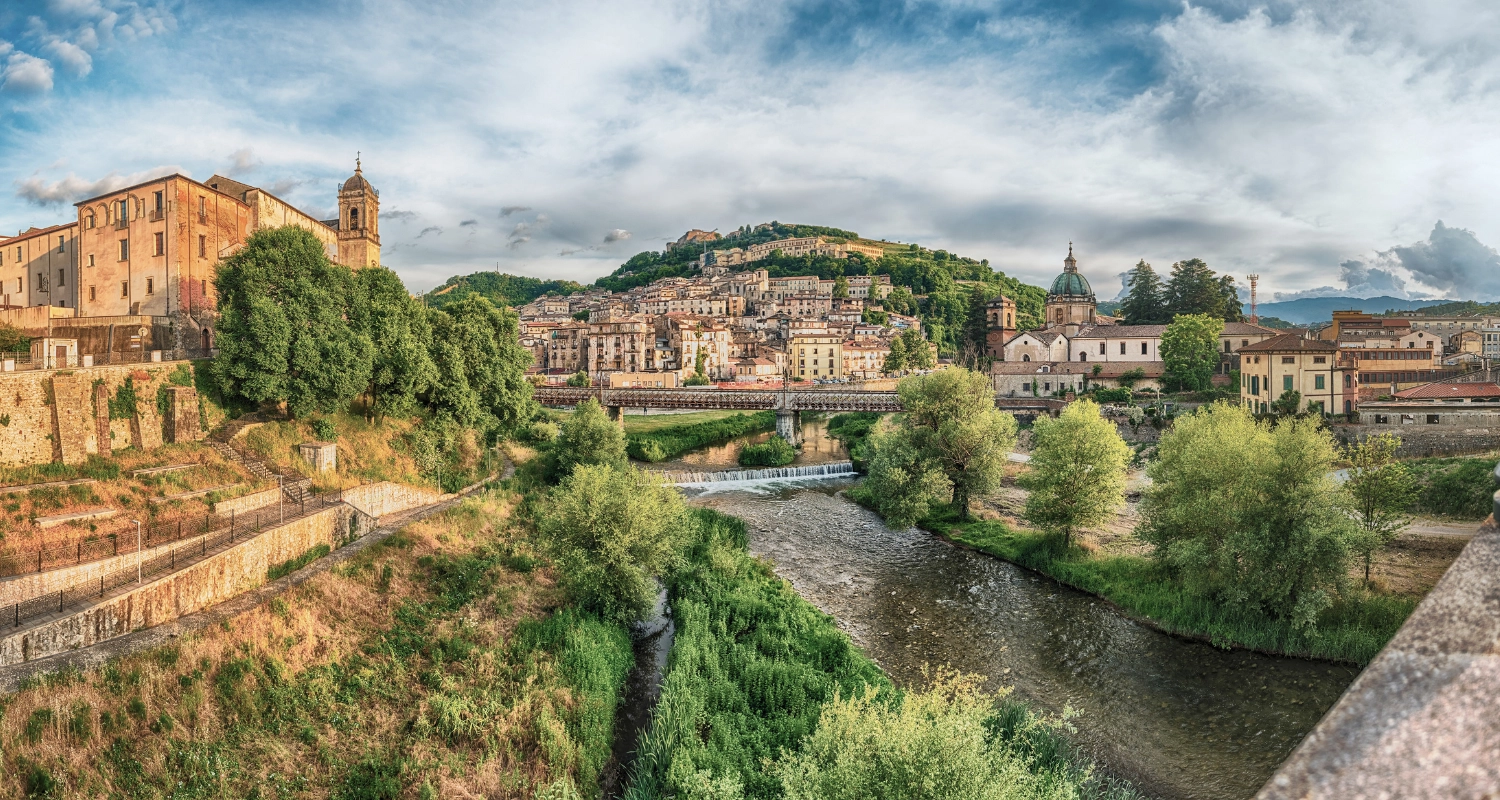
(1070, 301)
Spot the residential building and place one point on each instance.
(869, 287)
(864, 359)
(37, 267)
(816, 355)
(1293, 363)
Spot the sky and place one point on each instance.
(1333, 148)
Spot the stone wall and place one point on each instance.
(248, 502)
(379, 499)
(210, 581)
(63, 415)
(25, 587)
(1421, 441)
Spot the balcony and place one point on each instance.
(156, 215)
(121, 224)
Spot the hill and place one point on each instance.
(1307, 310)
(932, 280)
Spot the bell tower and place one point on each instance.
(359, 222)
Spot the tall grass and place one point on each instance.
(1459, 488)
(1353, 630)
(663, 443)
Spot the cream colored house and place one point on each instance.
(1291, 363)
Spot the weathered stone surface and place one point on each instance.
(379, 499)
(77, 516)
(323, 456)
(1423, 720)
(248, 502)
(73, 410)
(103, 442)
(182, 414)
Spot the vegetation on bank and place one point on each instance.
(664, 443)
(773, 452)
(1454, 488)
(853, 430)
(796, 711)
(442, 662)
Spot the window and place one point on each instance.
(159, 200)
(1143, 348)
(1047, 387)
(1101, 348)
(1025, 357)
(1286, 383)
(150, 286)
(1083, 356)
(1122, 348)
(124, 211)
(1320, 359)
(60, 277)
(124, 249)
(1255, 384)
(1244, 343)
(202, 246)
(92, 296)
(91, 259)
(1381, 419)
(124, 288)
(61, 245)
(1432, 419)
(161, 244)
(88, 221)
(1226, 345)
(1288, 359)
(202, 206)
(1025, 387)
(1318, 382)
(1348, 381)
(353, 219)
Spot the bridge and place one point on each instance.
(787, 403)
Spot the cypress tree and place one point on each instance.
(1145, 305)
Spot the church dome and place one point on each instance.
(1071, 283)
(357, 181)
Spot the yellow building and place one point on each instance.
(816, 356)
(1291, 363)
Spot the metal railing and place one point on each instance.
(81, 594)
(79, 551)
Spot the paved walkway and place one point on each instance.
(147, 638)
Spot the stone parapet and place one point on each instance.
(1423, 720)
(248, 502)
(379, 499)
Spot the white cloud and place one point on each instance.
(26, 74)
(616, 235)
(74, 59)
(73, 188)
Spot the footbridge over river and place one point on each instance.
(788, 403)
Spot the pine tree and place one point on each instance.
(1145, 305)
(1194, 289)
(1233, 310)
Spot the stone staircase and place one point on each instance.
(293, 487)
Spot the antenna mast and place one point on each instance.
(1254, 318)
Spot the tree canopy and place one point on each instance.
(1146, 303)
(401, 340)
(1190, 349)
(1382, 491)
(1077, 470)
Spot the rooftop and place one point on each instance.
(1291, 343)
(1445, 391)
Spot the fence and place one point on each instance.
(240, 527)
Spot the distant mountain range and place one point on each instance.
(1307, 310)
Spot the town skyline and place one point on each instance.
(1132, 145)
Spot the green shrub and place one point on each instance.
(288, 567)
(1121, 395)
(543, 432)
(324, 429)
(774, 452)
(36, 724)
(1463, 488)
(665, 443)
(39, 782)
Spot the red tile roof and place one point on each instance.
(1443, 391)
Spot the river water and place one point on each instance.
(1179, 719)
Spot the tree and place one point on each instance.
(840, 288)
(283, 331)
(1146, 302)
(951, 426)
(901, 301)
(895, 360)
(1288, 404)
(1246, 512)
(1194, 289)
(1077, 475)
(1190, 348)
(1231, 309)
(1382, 490)
(588, 437)
(12, 339)
(611, 532)
(580, 380)
(483, 366)
(401, 339)
(977, 324)
(918, 353)
(903, 483)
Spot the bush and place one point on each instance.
(1455, 487)
(587, 437)
(324, 429)
(1120, 395)
(774, 452)
(665, 443)
(543, 432)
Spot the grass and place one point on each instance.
(1353, 630)
(669, 441)
(1454, 488)
(652, 423)
(439, 663)
(774, 452)
(753, 666)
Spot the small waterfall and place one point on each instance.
(832, 470)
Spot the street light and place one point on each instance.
(137, 550)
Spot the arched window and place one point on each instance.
(1348, 381)
(1025, 357)
(353, 219)
(1083, 356)
(88, 222)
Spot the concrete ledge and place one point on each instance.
(136, 473)
(190, 495)
(77, 516)
(52, 484)
(1423, 720)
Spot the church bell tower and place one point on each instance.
(359, 222)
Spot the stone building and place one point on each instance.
(1000, 325)
(36, 267)
(1070, 301)
(816, 355)
(1293, 363)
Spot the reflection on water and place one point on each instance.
(1180, 719)
(817, 448)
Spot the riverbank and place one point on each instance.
(655, 440)
(758, 665)
(1353, 631)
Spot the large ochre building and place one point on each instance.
(151, 250)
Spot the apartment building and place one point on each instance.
(1293, 363)
(37, 267)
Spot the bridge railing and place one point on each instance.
(826, 399)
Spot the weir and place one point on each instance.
(833, 470)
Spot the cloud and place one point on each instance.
(468, 223)
(519, 235)
(26, 74)
(508, 210)
(398, 215)
(284, 186)
(74, 59)
(72, 188)
(1451, 260)
(242, 160)
(616, 235)
(433, 229)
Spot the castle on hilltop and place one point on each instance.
(149, 252)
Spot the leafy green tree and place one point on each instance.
(284, 331)
(1190, 348)
(903, 483)
(611, 532)
(1288, 404)
(483, 367)
(1194, 289)
(1246, 512)
(1382, 490)
(918, 353)
(952, 426)
(401, 337)
(1231, 309)
(1077, 475)
(12, 339)
(895, 360)
(900, 301)
(1146, 303)
(580, 380)
(977, 324)
(840, 287)
(939, 743)
(587, 437)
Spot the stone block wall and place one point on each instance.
(248, 502)
(25, 587)
(213, 580)
(1420, 441)
(182, 415)
(379, 499)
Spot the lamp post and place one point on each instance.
(280, 500)
(137, 550)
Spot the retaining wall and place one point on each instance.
(1422, 441)
(215, 579)
(55, 415)
(248, 502)
(379, 499)
(21, 588)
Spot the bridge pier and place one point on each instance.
(789, 426)
(616, 413)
